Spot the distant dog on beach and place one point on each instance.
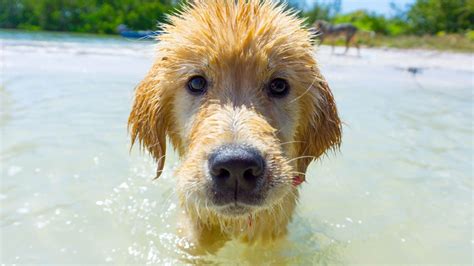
(326, 30)
(237, 90)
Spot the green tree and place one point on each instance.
(98, 16)
(323, 11)
(432, 16)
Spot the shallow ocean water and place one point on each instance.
(398, 191)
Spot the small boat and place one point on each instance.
(142, 34)
(125, 32)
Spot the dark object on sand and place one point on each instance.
(414, 70)
(327, 30)
(124, 31)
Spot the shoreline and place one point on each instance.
(417, 60)
(13, 43)
(420, 47)
(455, 43)
(398, 49)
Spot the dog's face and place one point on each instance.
(320, 24)
(237, 90)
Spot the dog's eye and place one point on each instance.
(278, 88)
(197, 85)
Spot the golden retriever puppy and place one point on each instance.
(238, 92)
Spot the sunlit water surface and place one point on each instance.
(399, 190)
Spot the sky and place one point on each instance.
(379, 6)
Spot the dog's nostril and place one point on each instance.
(249, 175)
(223, 173)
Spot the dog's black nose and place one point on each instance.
(235, 168)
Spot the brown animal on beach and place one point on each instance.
(236, 88)
(326, 30)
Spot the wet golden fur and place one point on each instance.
(239, 46)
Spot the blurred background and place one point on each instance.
(438, 24)
(399, 190)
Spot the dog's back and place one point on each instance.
(327, 29)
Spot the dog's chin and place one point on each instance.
(234, 210)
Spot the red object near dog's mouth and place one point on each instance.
(297, 180)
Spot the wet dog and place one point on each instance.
(237, 90)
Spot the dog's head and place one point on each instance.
(236, 88)
(320, 25)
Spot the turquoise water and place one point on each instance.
(399, 191)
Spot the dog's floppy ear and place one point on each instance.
(147, 122)
(320, 128)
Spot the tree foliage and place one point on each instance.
(97, 16)
(433, 16)
(422, 17)
(322, 10)
(103, 16)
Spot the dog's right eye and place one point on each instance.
(197, 85)
(278, 88)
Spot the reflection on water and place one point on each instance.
(399, 191)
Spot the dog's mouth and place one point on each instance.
(234, 209)
(237, 196)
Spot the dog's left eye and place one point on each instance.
(278, 88)
(197, 85)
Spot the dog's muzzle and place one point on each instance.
(238, 175)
